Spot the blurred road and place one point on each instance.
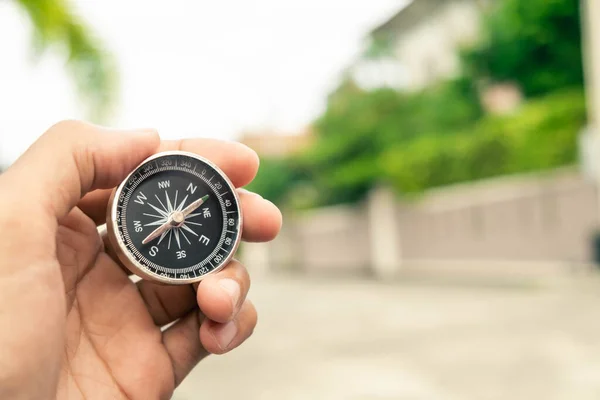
(360, 340)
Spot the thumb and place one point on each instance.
(73, 158)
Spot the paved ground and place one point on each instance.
(361, 340)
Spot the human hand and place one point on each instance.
(74, 325)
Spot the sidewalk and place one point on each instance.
(361, 340)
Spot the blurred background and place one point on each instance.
(436, 162)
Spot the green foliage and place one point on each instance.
(440, 136)
(540, 136)
(276, 179)
(56, 26)
(359, 125)
(342, 168)
(536, 43)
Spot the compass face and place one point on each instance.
(175, 218)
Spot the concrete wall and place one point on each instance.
(533, 218)
(521, 221)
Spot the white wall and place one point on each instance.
(429, 51)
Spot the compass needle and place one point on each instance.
(157, 232)
(143, 222)
(186, 211)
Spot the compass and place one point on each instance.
(175, 219)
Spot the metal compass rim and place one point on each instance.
(125, 256)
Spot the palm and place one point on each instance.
(113, 346)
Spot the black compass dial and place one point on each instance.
(178, 217)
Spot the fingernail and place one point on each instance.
(225, 334)
(232, 288)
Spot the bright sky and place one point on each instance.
(191, 68)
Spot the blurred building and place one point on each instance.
(420, 45)
(276, 144)
(425, 38)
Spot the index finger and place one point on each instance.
(238, 161)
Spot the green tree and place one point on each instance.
(56, 27)
(359, 125)
(536, 43)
